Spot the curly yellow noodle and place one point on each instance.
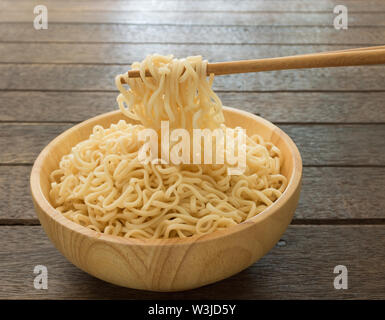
(102, 185)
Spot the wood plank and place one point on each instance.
(14, 191)
(281, 107)
(22, 143)
(339, 144)
(101, 77)
(198, 18)
(300, 268)
(98, 53)
(328, 193)
(202, 5)
(57, 32)
(313, 107)
(321, 145)
(342, 193)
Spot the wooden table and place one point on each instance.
(51, 79)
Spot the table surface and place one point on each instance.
(51, 79)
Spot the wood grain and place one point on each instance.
(126, 53)
(220, 30)
(339, 144)
(98, 33)
(318, 144)
(280, 107)
(21, 143)
(327, 193)
(200, 6)
(197, 18)
(101, 77)
(300, 268)
(357, 57)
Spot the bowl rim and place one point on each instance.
(42, 202)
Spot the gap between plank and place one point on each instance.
(200, 25)
(219, 91)
(310, 123)
(204, 11)
(200, 43)
(196, 25)
(355, 221)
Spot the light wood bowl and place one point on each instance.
(168, 264)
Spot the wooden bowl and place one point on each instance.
(167, 264)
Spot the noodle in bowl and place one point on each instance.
(180, 260)
(102, 184)
(172, 264)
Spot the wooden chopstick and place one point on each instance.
(350, 50)
(339, 58)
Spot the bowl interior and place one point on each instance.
(50, 157)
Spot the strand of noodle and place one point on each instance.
(101, 184)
